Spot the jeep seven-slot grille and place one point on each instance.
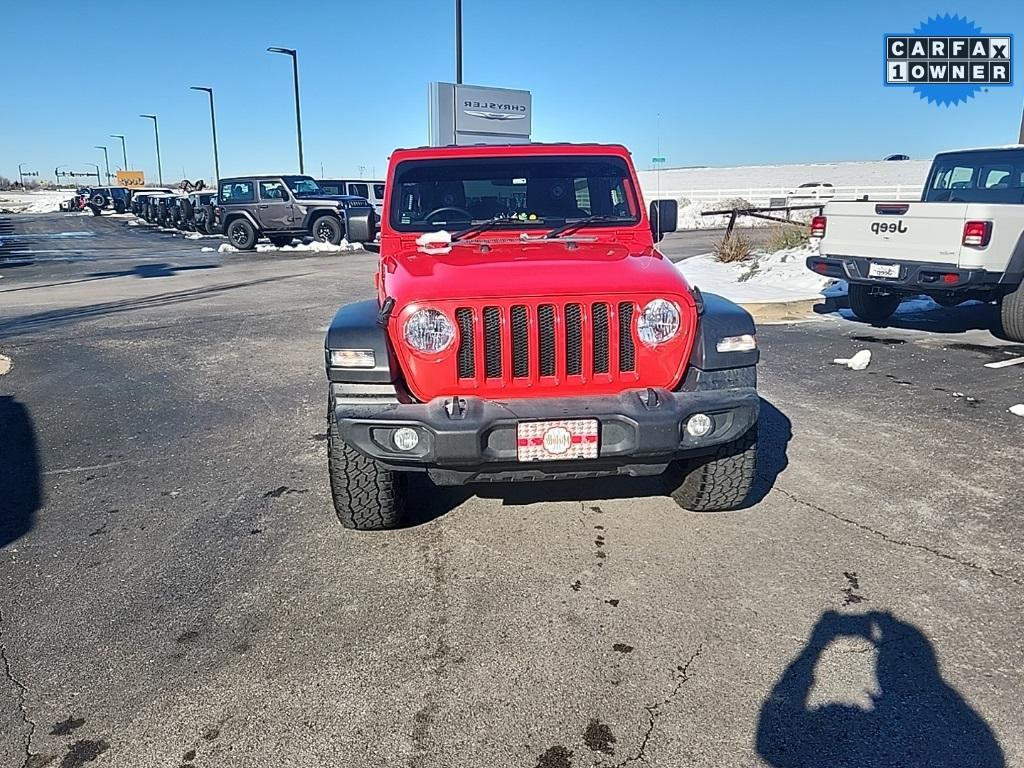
(528, 339)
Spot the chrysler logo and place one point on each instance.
(493, 115)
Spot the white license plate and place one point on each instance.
(884, 270)
(557, 440)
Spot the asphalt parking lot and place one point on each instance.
(177, 592)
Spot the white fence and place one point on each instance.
(763, 195)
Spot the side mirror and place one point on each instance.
(664, 217)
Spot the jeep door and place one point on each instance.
(275, 210)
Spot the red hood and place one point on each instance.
(513, 268)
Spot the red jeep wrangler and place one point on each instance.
(526, 328)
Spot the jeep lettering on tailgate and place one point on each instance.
(886, 227)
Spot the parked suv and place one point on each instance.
(116, 198)
(371, 190)
(526, 328)
(282, 208)
(199, 207)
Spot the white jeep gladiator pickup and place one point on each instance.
(963, 240)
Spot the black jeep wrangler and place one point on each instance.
(100, 198)
(282, 208)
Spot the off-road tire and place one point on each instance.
(279, 241)
(99, 200)
(367, 497)
(187, 212)
(1011, 314)
(327, 229)
(872, 307)
(95, 209)
(719, 481)
(119, 206)
(241, 234)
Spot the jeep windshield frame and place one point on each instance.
(976, 176)
(303, 186)
(528, 191)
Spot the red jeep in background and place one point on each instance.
(526, 328)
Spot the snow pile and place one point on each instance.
(43, 201)
(313, 247)
(858, 362)
(767, 277)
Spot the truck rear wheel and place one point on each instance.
(1011, 314)
(872, 307)
(720, 481)
(367, 497)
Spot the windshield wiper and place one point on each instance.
(483, 226)
(572, 226)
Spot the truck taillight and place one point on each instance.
(977, 233)
(818, 226)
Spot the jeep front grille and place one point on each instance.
(545, 341)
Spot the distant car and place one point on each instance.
(100, 198)
(371, 190)
(897, 157)
(814, 190)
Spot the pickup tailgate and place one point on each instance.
(929, 232)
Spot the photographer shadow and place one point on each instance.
(916, 719)
(21, 491)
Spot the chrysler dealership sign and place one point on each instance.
(471, 114)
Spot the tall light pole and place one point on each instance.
(21, 175)
(56, 173)
(298, 116)
(156, 133)
(124, 150)
(213, 124)
(99, 182)
(106, 159)
(458, 42)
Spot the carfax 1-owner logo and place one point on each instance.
(948, 59)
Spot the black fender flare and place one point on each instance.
(230, 216)
(316, 213)
(357, 326)
(720, 318)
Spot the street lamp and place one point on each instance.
(106, 159)
(213, 124)
(156, 132)
(124, 150)
(298, 117)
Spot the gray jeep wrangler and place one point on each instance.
(283, 208)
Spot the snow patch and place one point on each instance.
(313, 247)
(858, 362)
(206, 249)
(5, 364)
(43, 201)
(765, 278)
(1017, 410)
(439, 242)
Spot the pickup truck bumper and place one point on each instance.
(914, 276)
(470, 439)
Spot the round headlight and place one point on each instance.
(658, 323)
(429, 330)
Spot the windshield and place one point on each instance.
(303, 186)
(996, 176)
(536, 191)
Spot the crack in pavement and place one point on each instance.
(901, 543)
(22, 693)
(681, 677)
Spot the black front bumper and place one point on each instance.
(470, 439)
(915, 276)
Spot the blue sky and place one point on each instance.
(735, 82)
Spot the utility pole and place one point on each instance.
(298, 115)
(156, 132)
(99, 182)
(106, 160)
(21, 175)
(458, 42)
(124, 150)
(213, 124)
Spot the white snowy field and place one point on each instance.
(43, 201)
(705, 189)
(766, 278)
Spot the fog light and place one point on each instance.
(405, 439)
(698, 425)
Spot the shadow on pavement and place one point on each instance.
(915, 718)
(20, 484)
(431, 502)
(151, 270)
(922, 314)
(60, 317)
